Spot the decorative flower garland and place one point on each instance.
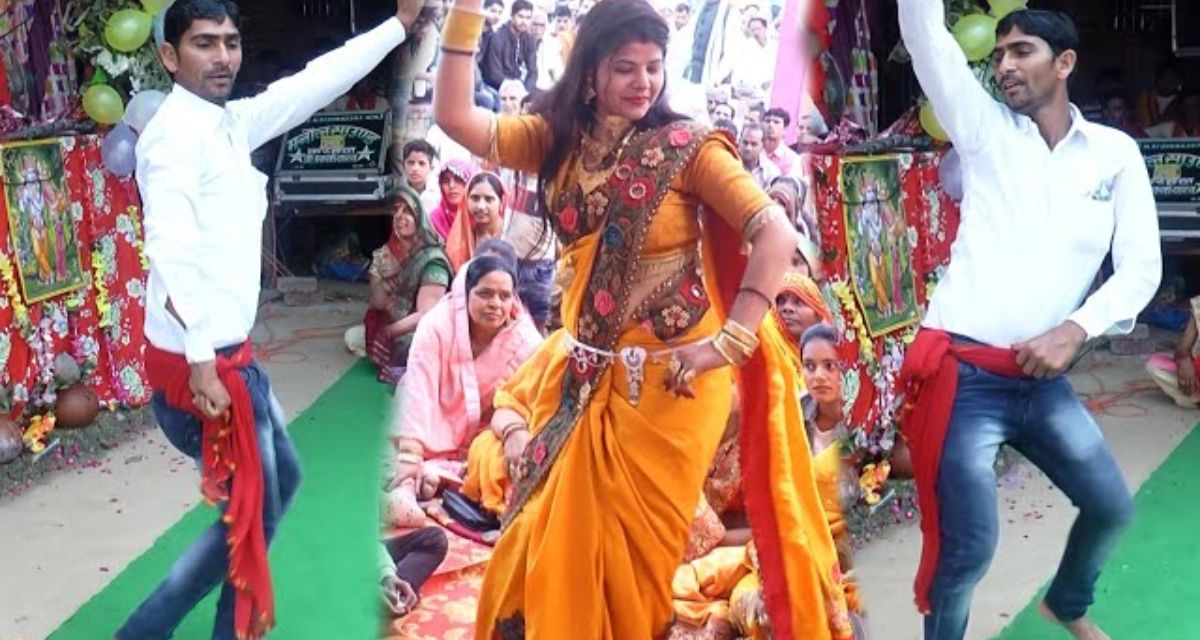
(100, 285)
(13, 294)
(138, 239)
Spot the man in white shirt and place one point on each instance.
(1048, 194)
(763, 170)
(420, 160)
(204, 208)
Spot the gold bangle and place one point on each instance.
(471, 53)
(719, 345)
(511, 429)
(462, 29)
(741, 334)
(738, 353)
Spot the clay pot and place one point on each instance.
(10, 440)
(902, 464)
(76, 407)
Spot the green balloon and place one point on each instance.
(153, 7)
(976, 34)
(1001, 8)
(103, 104)
(127, 30)
(930, 124)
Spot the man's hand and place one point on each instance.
(1186, 371)
(407, 12)
(209, 395)
(398, 595)
(1049, 354)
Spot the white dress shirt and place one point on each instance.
(205, 203)
(1036, 222)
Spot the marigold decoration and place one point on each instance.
(100, 284)
(13, 294)
(35, 434)
(874, 474)
(138, 239)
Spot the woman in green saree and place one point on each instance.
(408, 276)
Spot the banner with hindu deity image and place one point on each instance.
(42, 233)
(878, 247)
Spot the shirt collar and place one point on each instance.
(1079, 124)
(196, 107)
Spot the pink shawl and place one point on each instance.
(446, 393)
(442, 218)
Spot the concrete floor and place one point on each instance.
(1142, 430)
(78, 530)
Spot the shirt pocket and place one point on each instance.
(1091, 214)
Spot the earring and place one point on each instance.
(589, 93)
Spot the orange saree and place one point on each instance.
(615, 466)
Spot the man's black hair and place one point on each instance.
(488, 3)
(521, 5)
(183, 13)
(419, 146)
(778, 113)
(1055, 27)
(561, 11)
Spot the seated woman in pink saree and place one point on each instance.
(464, 349)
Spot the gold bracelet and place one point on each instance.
(741, 334)
(462, 29)
(737, 353)
(719, 345)
(460, 52)
(511, 429)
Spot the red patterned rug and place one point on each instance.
(449, 599)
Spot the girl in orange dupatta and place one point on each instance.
(610, 428)
(464, 349)
(484, 220)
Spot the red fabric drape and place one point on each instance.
(929, 381)
(231, 473)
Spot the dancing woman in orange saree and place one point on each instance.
(610, 428)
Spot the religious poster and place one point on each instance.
(878, 245)
(41, 232)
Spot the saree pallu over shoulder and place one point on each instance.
(800, 574)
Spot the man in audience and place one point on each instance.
(511, 51)
(763, 170)
(419, 158)
(775, 122)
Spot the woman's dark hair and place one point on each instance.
(1056, 28)
(183, 13)
(483, 265)
(820, 331)
(492, 179)
(608, 26)
(498, 248)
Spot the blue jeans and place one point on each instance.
(203, 565)
(1044, 420)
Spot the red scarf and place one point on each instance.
(929, 381)
(230, 457)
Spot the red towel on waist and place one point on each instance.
(232, 472)
(929, 381)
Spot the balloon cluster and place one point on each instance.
(976, 35)
(126, 31)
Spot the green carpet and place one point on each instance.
(323, 558)
(1148, 589)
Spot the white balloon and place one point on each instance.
(950, 173)
(142, 108)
